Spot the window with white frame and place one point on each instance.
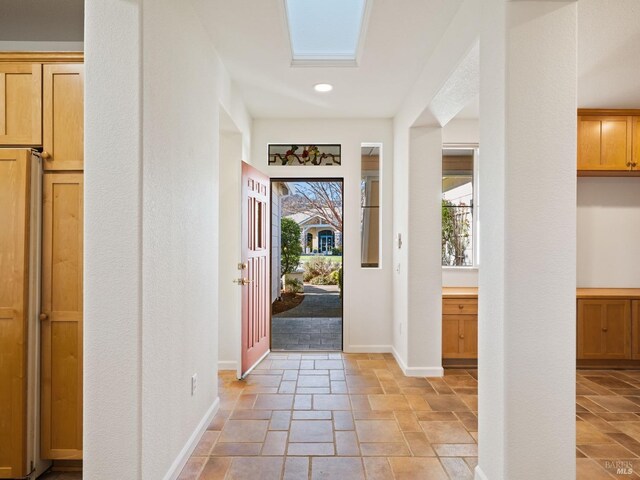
(459, 207)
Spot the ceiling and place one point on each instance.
(252, 39)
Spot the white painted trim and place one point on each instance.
(227, 365)
(367, 349)
(479, 474)
(417, 371)
(181, 460)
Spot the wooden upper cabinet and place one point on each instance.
(604, 142)
(63, 123)
(635, 142)
(604, 329)
(21, 104)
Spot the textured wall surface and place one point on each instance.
(156, 85)
(608, 232)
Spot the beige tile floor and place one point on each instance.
(356, 416)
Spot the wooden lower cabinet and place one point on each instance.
(460, 328)
(604, 329)
(61, 316)
(635, 329)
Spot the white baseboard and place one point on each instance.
(227, 365)
(417, 371)
(180, 461)
(367, 349)
(479, 474)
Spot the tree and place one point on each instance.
(455, 234)
(290, 245)
(322, 199)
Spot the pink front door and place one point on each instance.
(256, 302)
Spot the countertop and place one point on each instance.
(472, 292)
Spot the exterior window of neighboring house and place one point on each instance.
(459, 207)
(370, 205)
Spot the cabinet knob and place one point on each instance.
(460, 307)
(462, 335)
(604, 329)
(43, 316)
(45, 155)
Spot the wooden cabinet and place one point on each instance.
(21, 104)
(62, 121)
(608, 142)
(61, 316)
(635, 329)
(604, 329)
(14, 247)
(460, 328)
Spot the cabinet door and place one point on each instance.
(469, 336)
(63, 123)
(61, 312)
(604, 329)
(14, 214)
(450, 332)
(20, 104)
(635, 329)
(604, 142)
(635, 142)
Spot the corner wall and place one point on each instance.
(154, 86)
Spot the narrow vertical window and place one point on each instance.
(458, 194)
(370, 205)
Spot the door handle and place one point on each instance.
(242, 281)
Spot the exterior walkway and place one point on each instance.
(320, 301)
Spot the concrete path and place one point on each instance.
(315, 324)
(320, 301)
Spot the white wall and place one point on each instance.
(152, 171)
(367, 299)
(34, 25)
(608, 232)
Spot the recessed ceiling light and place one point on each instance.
(323, 87)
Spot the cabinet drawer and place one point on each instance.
(467, 306)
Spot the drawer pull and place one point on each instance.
(460, 307)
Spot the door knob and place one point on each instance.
(242, 281)
(43, 316)
(242, 266)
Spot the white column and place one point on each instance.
(113, 238)
(527, 313)
(424, 269)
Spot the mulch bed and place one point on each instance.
(287, 302)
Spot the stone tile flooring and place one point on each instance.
(356, 416)
(306, 333)
(339, 416)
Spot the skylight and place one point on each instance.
(325, 29)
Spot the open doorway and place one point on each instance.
(306, 264)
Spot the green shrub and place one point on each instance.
(291, 247)
(340, 280)
(335, 276)
(337, 251)
(293, 285)
(324, 280)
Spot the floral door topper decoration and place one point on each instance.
(325, 155)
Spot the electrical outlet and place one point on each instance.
(194, 384)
